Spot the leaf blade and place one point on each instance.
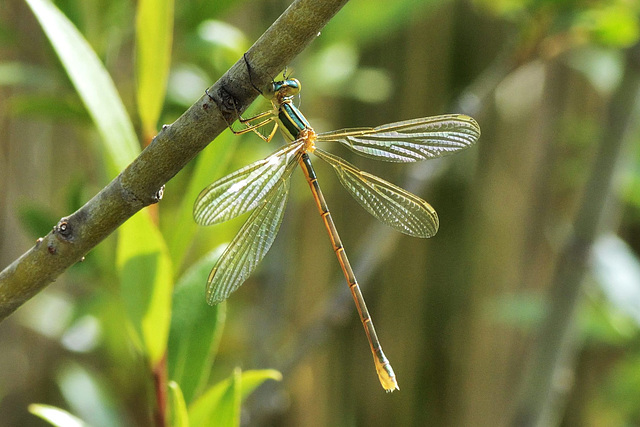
(146, 279)
(196, 329)
(93, 84)
(154, 36)
(178, 408)
(205, 411)
(56, 416)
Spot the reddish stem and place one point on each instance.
(160, 385)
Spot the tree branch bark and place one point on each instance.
(139, 184)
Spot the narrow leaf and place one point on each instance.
(56, 416)
(228, 413)
(252, 379)
(218, 402)
(93, 83)
(154, 34)
(220, 406)
(146, 282)
(177, 406)
(196, 328)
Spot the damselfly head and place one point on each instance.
(286, 89)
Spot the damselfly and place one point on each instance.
(263, 187)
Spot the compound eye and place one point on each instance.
(286, 88)
(276, 87)
(293, 87)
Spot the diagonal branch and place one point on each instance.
(139, 184)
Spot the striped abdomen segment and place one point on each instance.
(383, 367)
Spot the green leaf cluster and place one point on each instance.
(163, 312)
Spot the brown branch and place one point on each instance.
(138, 185)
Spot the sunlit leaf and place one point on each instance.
(178, 416)
(614, 25)
(220, 406)
(196, 328)
(93, 83)
(146, 279)
(154, 34)
(603, 324)
(56, 416)
(228, 411)
(252, 379)
(222, 401)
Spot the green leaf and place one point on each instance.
(220, 405)
(93, 83)
(154, 34)
(146, 282)
(178, 416)
(252, 379)
(613, 25)
(228, 413)
(196, 329)
(56, 416)
(209, 166)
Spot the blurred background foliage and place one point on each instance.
(464, 316)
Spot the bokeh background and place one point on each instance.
(523, 310)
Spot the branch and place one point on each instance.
(140, 183)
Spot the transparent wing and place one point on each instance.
(410, 140)
(389, 203)
(249, 246)
(244, 189)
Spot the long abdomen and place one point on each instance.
(383, 367)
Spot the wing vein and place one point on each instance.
(244, 189)
(410, 140)
(250, 245)
(394, 206)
